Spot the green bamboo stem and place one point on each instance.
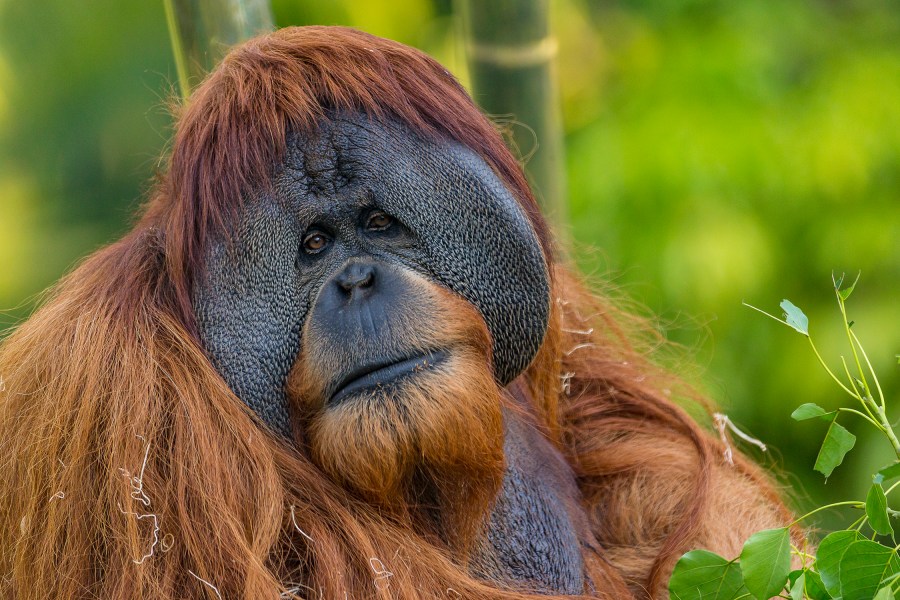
(511, 54)
(202, 31)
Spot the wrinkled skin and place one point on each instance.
(318, 237)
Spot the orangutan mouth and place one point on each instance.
(380, 373)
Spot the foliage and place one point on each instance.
(846, 564)
(721, 150)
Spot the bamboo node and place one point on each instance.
(519, 55)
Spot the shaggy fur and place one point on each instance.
(128, 469)
(430, 448)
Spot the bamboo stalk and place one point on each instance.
(202, 31)
(511, 55)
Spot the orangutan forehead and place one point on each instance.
(328, 160)
(353, 150)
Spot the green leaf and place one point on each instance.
(815, 589)
(885, 593)
(809, 411)
(812, 589)
(845, 293)
(828, 558)
(797, 587)
(838, 442)
(863, 568)
(794, 317)
(766, 562)
(877, 510)
(704, 575)
(887, 473)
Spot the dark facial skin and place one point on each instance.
(378, 196)
(325, 254)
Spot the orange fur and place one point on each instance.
(128, 469)
(654, 482)
(439, 434)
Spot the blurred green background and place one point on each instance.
(716, 151)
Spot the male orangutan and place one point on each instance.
(336, 358)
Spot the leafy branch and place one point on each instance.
(846, 565)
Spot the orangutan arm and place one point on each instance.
(635, 511)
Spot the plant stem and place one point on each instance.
(871, 370)
(864, 416)
(855, 503)
(868, 400)
(798, 552)
(862, 375)
(771, 316)
(866, 404)
(888, 430)
(857, 524)
(833, 376)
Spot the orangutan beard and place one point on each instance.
(427, 447)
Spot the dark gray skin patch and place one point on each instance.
(250, 312)
(534, 534)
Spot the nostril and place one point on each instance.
(356, 276)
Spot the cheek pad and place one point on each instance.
(249, 309)
(477, 240)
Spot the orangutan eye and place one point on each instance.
(378, 221)
(315, 242)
